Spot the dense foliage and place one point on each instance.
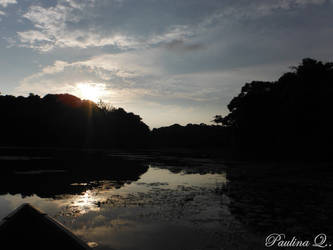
(191, 135)
(65, 120)
(289, 117)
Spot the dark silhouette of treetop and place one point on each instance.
(290, 116)
(66, 120)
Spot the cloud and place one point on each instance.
(5, 3)
(173, 33)
(256, 9)
(140, 76)
(266, 8)
(53, 28)
(74, 24)
(127, 25)
(119, 72)
(180, 45)
(168, 54)
(122, 76)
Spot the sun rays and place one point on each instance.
(91, 91)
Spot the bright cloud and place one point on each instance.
(79, 25)
(5, 3)
(51, 29)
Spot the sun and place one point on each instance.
(90, 91)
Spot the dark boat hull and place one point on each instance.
(29, 228)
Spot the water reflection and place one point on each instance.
(188, 204)
(86, 202)
(50, 178)
(162, 209)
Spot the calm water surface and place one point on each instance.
(187, 204)
(166, 208)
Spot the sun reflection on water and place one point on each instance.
(86, 202)
(109, 212)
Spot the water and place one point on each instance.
(166, 208)
(172, 203)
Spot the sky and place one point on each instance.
(169, 61)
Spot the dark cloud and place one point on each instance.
(180, 45)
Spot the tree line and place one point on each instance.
(63, 120)
(289, 117)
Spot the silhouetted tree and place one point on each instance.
(104, 106)
(191, 135)
(65, 120)
(218, 119)
(289, 117)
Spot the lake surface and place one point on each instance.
(166, 208)
(190, 204)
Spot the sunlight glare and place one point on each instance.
(86, 202)
(92, 92)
